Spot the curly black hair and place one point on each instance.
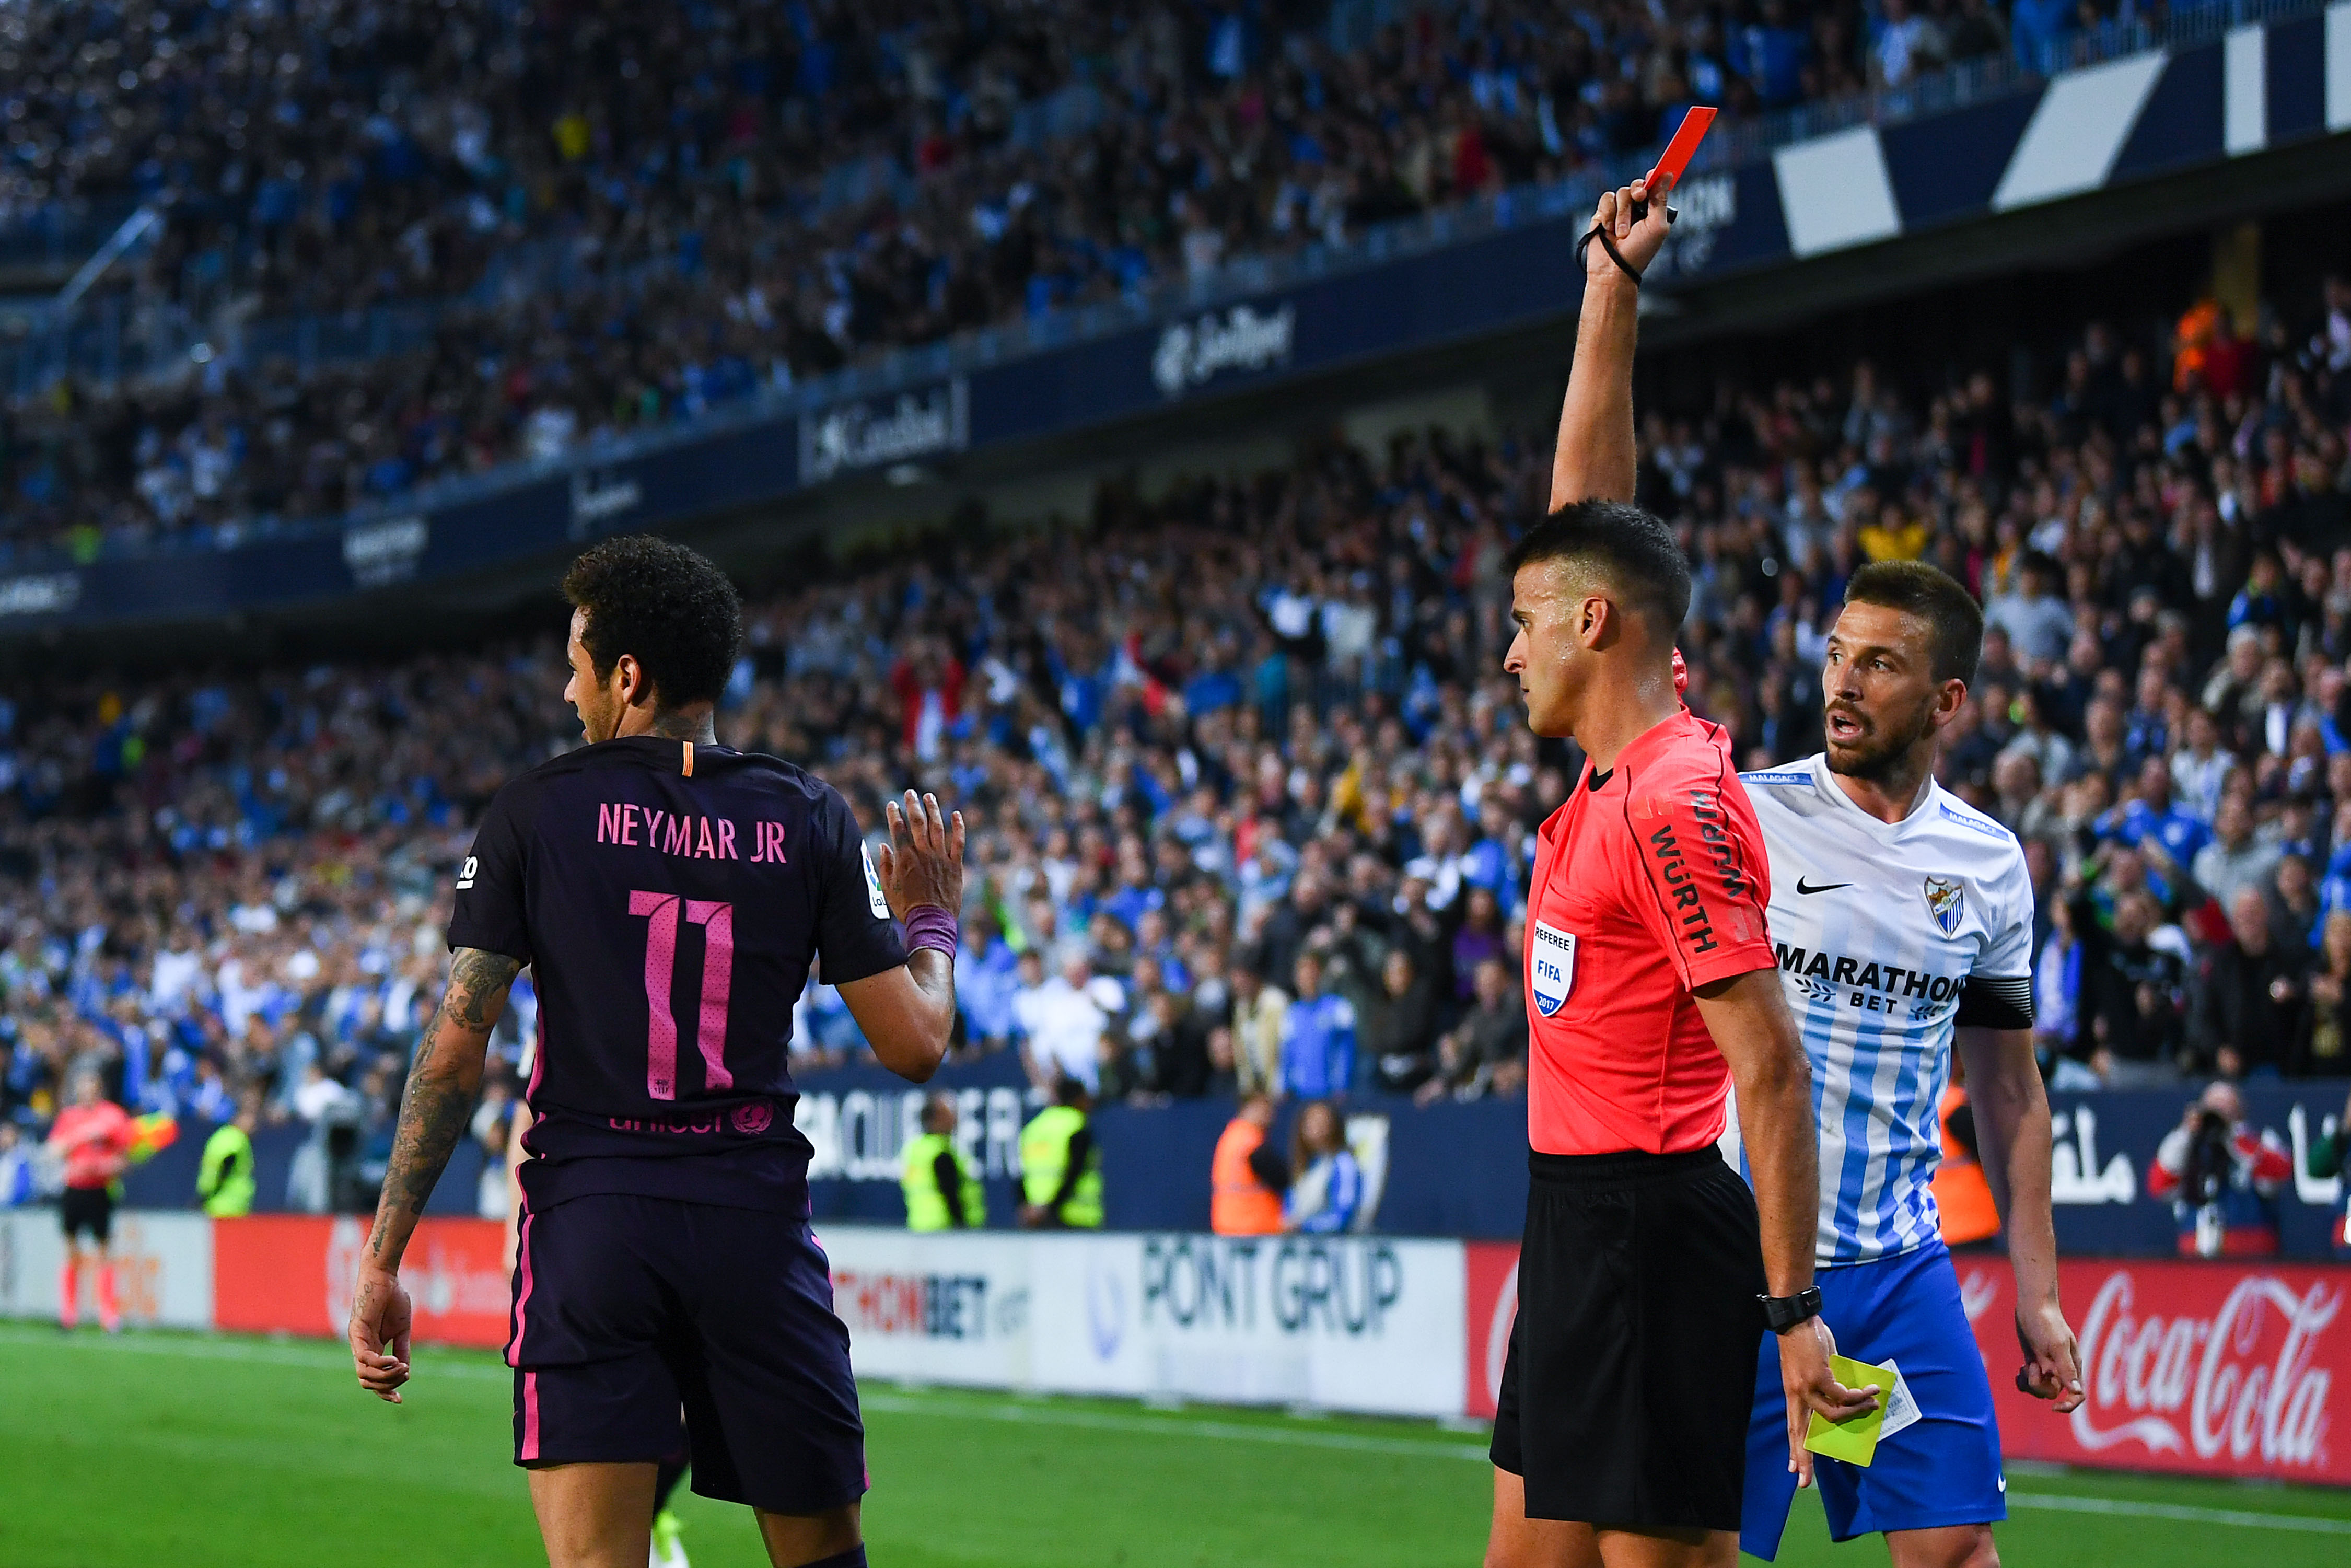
(666, 606)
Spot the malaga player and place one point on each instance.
(1903, 921)
(670, 895)
(1649, 1272)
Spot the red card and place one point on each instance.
(1680, 152)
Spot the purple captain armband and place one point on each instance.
(928, 925)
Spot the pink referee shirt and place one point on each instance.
(1647, 886)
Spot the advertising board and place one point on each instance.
(291, 1273)
(939, 1308)
(162, 1268)
(1339, 1323)
(2206, 1368)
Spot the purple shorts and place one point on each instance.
(628, 1309)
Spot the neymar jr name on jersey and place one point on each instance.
(686, 836)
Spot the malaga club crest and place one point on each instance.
(1947, 899)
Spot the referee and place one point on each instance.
(1646, 1276)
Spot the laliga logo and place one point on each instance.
(1193, 354)
(2234, 1401)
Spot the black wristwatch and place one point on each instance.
(1781, 1313)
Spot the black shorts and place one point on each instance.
(88, 1211)
(1632, 1364)
(628, 1308)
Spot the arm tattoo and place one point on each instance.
(439, 1101)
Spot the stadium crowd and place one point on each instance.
(1251, 801)
(756, 197)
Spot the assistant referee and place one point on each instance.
(1646, 1274)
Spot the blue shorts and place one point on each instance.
(628, 1309)
(1944, 1470)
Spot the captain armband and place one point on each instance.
(1996, 1001)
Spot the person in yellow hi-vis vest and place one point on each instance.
(942, 1192)
(225, 1178)
(1061, 1165)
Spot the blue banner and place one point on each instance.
(1460, 1168)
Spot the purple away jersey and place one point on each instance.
(670, 899)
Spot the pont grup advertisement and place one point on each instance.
(1343, 1322)
(1339, 1321)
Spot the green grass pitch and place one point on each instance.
(193, 1451)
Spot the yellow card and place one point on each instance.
(1854, 1441)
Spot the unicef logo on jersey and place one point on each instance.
(753, 1119)
(1550, 967)
(1946, 900)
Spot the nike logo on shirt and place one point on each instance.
(1825, 888)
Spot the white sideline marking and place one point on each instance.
(2186, 1515)
(194, 1349)
(323, 1360)
(1102, 1421)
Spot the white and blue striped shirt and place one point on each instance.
(1886, 933)
(1327, 1194)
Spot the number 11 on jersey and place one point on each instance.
(662, 911)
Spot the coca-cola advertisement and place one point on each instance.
(1491, 1275)
(2221, 1369)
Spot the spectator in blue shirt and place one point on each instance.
(1213, 688)
(19, 1183)
(1328, 1191)
(1136, 894)
(1318, 1036)
(986, 976)
(2150, 814)
(2036, 28)
(1776, 53)
(1489, 864)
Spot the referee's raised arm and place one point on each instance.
(1594, 460)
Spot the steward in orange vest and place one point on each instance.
(1249, 1175)
(1962, 1196)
